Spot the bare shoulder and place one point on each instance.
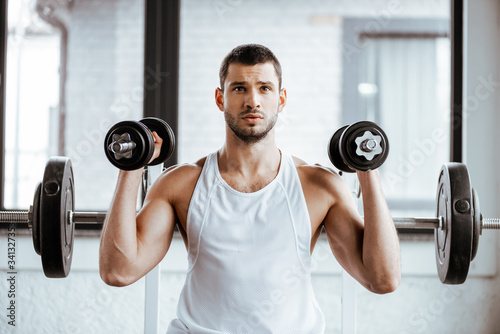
(179, 179)
(183, 173)
(323, 189)
(317, 175)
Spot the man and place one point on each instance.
(250, 216)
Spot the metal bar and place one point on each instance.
(416, 223)
(97, 217)
(80, 217)
(403, 35)
(490, 224)
(83, 217)
(124, 147)
(152, 288)
(14, 216)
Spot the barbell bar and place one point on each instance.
(436, 223)
(77, 217)
(97, 217)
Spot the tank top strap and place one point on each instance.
(290, 181)
(199, 204)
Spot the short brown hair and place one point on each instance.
(249, 54)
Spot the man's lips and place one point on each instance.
(253, 116)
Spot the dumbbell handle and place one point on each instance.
(121, 147)
(80, 217)
(368, 145)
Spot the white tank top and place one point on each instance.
(249, 258)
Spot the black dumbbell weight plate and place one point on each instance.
(166, 134)
(334, 152)
(349, 150)
(56, 227)
(35, 218)
(140, 135)
(454, 239)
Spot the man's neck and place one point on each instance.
(237, 157)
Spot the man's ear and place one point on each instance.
(219, 98)
(282, 100)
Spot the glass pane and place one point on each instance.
(31, 97)
(73, 70)
(409, 96)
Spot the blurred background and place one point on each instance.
(75, 67)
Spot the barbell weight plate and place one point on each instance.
(348, 146)
(454, 240)
(35, 218)
(56, 228)
(476, 222)
(334, 152)
(166, 134)
(142, 138)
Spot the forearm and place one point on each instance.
(381, 255)
(118, 247)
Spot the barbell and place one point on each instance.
(52, 218)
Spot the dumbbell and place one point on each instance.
(52, 219)
(129, 145)
(362, 146)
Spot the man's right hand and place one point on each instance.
(158, 143)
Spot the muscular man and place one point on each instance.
(250, 215)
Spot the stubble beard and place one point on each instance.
(249, 135)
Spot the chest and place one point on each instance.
(316, 204)
(249, 184)
(231, 220)
(272, 221)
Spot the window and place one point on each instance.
(32, 91)
(74, 68)
(399, 77)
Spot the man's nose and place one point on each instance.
(252, 100)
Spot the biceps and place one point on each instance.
(344, 230)
(155, 227)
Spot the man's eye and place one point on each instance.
(265, 88)
(239, 89)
